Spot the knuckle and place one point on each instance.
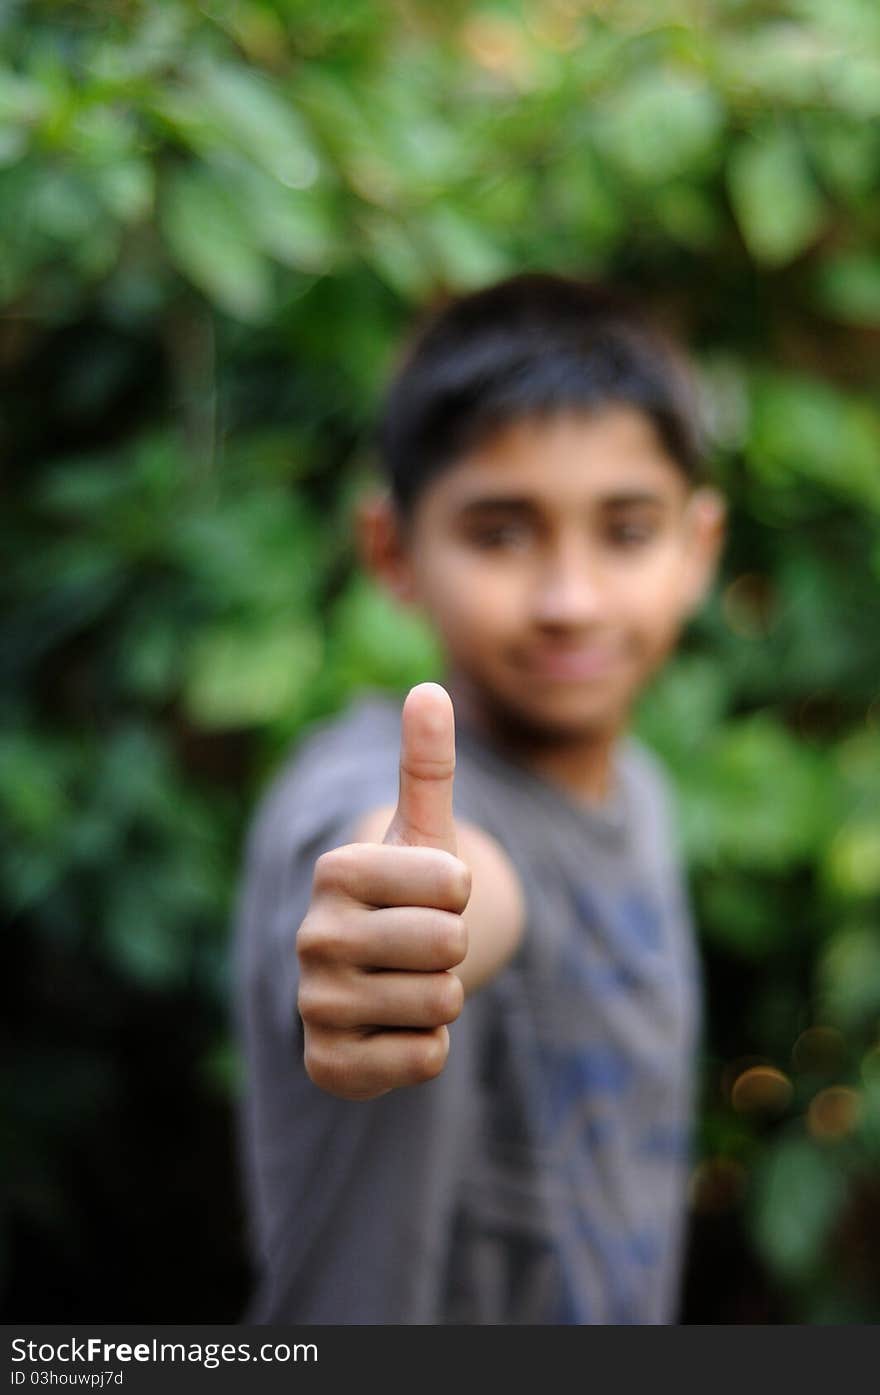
(309, 939)
(305, 999)
(338, 868)
(448, 998)
(324, 935)
(456, 995)
(454, 940)
(312, 1005)
(321, 1002)
(327, 1067)
(429, 1055)
(458, 884)
(321, 1066)
(327, 870)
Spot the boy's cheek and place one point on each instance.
(658, 598)
(468, 600)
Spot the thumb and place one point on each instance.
(423, 817)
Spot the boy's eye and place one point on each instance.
(631, 534)
(500, 535)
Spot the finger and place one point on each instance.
(427, 764)
(358, 1067)
(395, 937)
(379, 874)
(363, 1000)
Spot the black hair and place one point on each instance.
(531, 345)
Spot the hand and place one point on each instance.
(384, 928)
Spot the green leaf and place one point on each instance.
(848, 978)
(776, 62)
(853, 859)
(150, 656)
(468, 254)
(255, 553)
(126, 187)
(777, 205)
(390, 248)
(142, 935)
(683, 708)
(584, 198)
(251, 116)
(846, 154)
(239, 676)
(296, 226)
(32, 786)
(659, 125)
(755, 797)
(211, 242)
(375, 642)
(805, 427)
(848, 287)
(798, 1192)
(63, 206)
(689, 215)
(21, 98)
(855, 84)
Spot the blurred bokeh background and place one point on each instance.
(216, 222)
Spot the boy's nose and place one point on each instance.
(569, 592)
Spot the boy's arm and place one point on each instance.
(390, 920)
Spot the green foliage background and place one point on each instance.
(218, 220)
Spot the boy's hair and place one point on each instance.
(532, 345)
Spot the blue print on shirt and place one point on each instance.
(640, 922)
(615, 1261)
(644, 1249)
(629, 923)
(603, 979)
(615, 957)
(571, 1076)
(670, 1142)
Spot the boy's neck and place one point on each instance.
(582, 766)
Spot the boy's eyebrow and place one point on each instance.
(486, 503)
(493, 502)
(633, 499)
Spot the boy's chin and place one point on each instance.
(567, 718)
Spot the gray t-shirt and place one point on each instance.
(541, 1177)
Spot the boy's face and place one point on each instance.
(557, 562)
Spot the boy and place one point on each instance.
(528, 1166)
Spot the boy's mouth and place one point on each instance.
(570, 664)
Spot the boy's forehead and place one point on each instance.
(612, 454)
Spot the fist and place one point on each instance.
(384, 928)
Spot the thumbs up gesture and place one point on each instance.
(384, 928)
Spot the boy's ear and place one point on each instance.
(381, 545)
(707, 528)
